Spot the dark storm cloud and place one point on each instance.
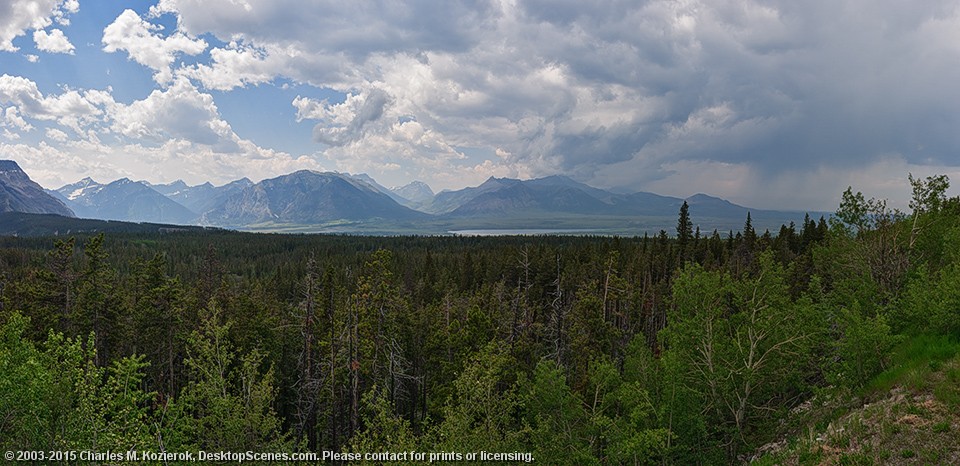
(818, 83)
(603, 90)
(354, 29)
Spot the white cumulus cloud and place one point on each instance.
(72, 109)
(145, 44)
(19, 16)
(179, 112)
(12, 118)
(56, 135)
(54, 41)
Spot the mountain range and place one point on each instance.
(310, 201)
(307, 197)
(18, 193)
(122, 199)
(203, 197)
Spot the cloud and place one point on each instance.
(12, 118)
(72, 109)
(398, 147)
(179, 128)
(145, 45)
(71, 160)
(319, 42)
(615, 93)
(53, 42)
(178, 112)
(610, 91)
(368, 133)
(345, 122)
(18, 16)
(239, 65)
(817, 187)
(56, 135)
(348, 29)
(175, 132)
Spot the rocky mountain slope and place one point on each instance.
(18, 193)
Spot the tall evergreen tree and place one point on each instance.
(684, 231)
(749, 234)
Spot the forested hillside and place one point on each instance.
(687, 347)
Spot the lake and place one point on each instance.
(526, 232)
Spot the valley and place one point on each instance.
(328, 202)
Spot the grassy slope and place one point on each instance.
(909, 414)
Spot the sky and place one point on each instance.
(770, 104)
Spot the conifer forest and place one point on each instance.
(683, 347)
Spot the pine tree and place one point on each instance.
(684, 231)
(749, 234)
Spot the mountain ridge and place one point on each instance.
(307, 196)
(19, 193)
(314, 201)
(123, 200)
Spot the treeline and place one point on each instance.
(686, 347)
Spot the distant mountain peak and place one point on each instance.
(241, 182)
(306, 197)
(417, 183)
(18, 193)
(124, 199)
(494, 181)
(9, 165)
(311, 172)
(701, 197)
(559, 177)
(415, 191)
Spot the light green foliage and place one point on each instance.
(560, 431)
(880, 246)
(616, 421)
(623, 419)
(929, 194)
(931, 303)
(26, 389)
(935, 225)
(59, 399)
(742, 344)
(863, 349)
(384, 431)
(227, 404)
(105, 409)
(480, 415)
(862, 215)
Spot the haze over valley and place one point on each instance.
(310, 201)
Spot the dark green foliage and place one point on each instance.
(581, 350)
(684, 230)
